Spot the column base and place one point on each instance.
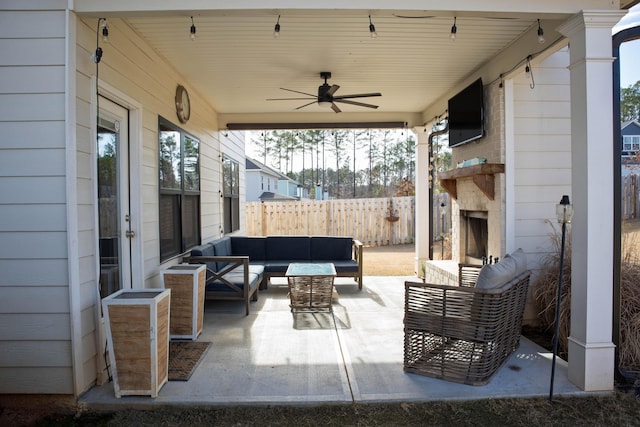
(591, 366)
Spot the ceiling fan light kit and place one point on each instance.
(326, 97)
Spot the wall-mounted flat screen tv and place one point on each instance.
(466, 115)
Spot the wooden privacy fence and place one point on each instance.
(441, 211)
(375, 222)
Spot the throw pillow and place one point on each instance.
(521, 260)
(493, 276)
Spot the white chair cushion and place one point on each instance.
(493, 276)
(521, 260)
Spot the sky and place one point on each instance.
(629, 51)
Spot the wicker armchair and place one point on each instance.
(468, 274)
(462, 334)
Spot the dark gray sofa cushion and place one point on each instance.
(348, 266)
(253, 247)
(331, 248)
(288, 248)
(222, 247)
(205, 249)
(236, 277)
(276, 267)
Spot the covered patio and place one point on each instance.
(552, 136)
(355, 355)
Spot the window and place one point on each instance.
(231, 194)
(631, 143)
(179, 200)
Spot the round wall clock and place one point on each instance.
(183, 106)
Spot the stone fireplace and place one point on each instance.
(477, 212)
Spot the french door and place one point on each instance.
(114, 217)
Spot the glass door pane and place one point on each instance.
(112, 174)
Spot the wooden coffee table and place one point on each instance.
(310, 285)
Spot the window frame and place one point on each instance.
(230, 194)
(184, 194)
(631, 143)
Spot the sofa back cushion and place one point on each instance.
(253, 247)
(205, 249)
(325, 248)
(288, 248)
(222, 247)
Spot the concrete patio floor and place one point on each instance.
(274, 357)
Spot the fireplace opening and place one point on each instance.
(476, 235)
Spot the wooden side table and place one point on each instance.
(310, 285)
(186, 282)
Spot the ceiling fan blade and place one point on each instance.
(332, 90)
(297, 91)
(302, 106)
(286, 99)
(358, 95)
(360, 104)
(335, 108)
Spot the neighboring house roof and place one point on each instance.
(269, 196)
(629, 123)
(252, 164)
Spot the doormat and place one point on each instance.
(184, 358)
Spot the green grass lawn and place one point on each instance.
(617, 409)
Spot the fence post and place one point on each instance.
(634, 189)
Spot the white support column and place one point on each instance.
(423, 210)
(591, 350)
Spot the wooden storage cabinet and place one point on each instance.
(186, 282)
(137, 325)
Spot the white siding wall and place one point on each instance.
(542, 151)
(35, 323)
(130, 67)
(49, 300)
(541, 155)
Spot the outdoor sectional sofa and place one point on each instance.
(238, 266)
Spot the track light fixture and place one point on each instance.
(454, 29)
(105, 31)
(192, 30)
(540, 33)
(372, 29)
(276, 29)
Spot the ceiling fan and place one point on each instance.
(326, 97)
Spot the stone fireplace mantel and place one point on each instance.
(482, 175)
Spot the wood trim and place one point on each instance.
(483, 177)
